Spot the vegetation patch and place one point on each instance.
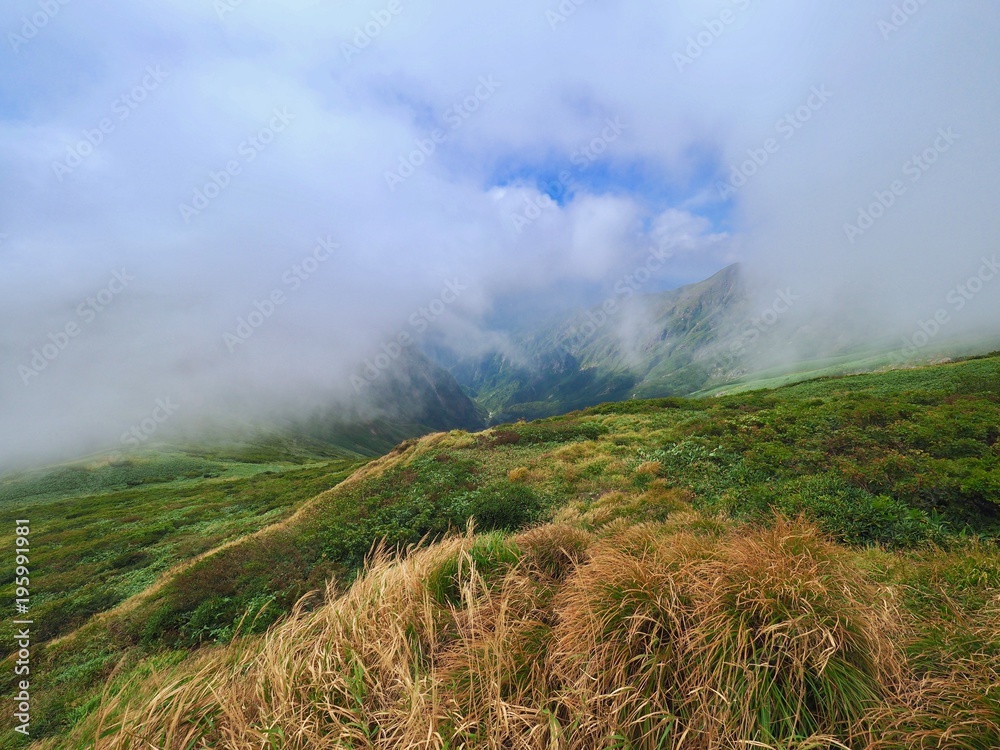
(651, 636)
(892, 480)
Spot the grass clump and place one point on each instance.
(518, 474)
(898, 469)
(644, 637)
(771, 637)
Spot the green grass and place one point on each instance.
(901, 466)
(102, 532)
(93, 551)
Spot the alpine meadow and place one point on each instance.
(450, 376)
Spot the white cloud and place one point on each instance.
(353, 119)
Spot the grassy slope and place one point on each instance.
(94, 551)
(863, 361)
(106, 530)
(693, 633)
(898, 459)
(571, 369)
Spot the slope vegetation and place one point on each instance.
(660, 344)
(681, 634)
(658, 599)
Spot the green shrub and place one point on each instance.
(558, 431)
(855, 516)
(505, 506)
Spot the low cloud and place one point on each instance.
(205, 152)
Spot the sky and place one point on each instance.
(226, 207)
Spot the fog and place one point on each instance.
(233, 204)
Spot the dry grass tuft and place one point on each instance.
(554, 550)
(494, 674)
(653, 468)
(353, 673)
(770, 637)
(960, 711)
(518, 474)
(954, 708)
(657, 635)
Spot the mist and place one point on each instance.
(227, 207)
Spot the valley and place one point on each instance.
(895, 474)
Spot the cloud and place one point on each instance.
(285, 120)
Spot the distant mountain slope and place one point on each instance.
(674, 342)
(413, 398)
(899, 471)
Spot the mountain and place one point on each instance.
(715, 336)
(670, 343)
(632, 573)
(413, 397)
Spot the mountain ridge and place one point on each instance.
(648, 345)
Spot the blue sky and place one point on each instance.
(657, 188)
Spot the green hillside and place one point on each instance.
(668, 343)
(705, 338)
(655, 602)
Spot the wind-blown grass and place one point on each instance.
(897, 471)
(645, 637)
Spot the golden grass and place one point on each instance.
(766, 637)
(653, 468)
(683, 634)
(957, 710)
(518, 474)
(657, 503)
